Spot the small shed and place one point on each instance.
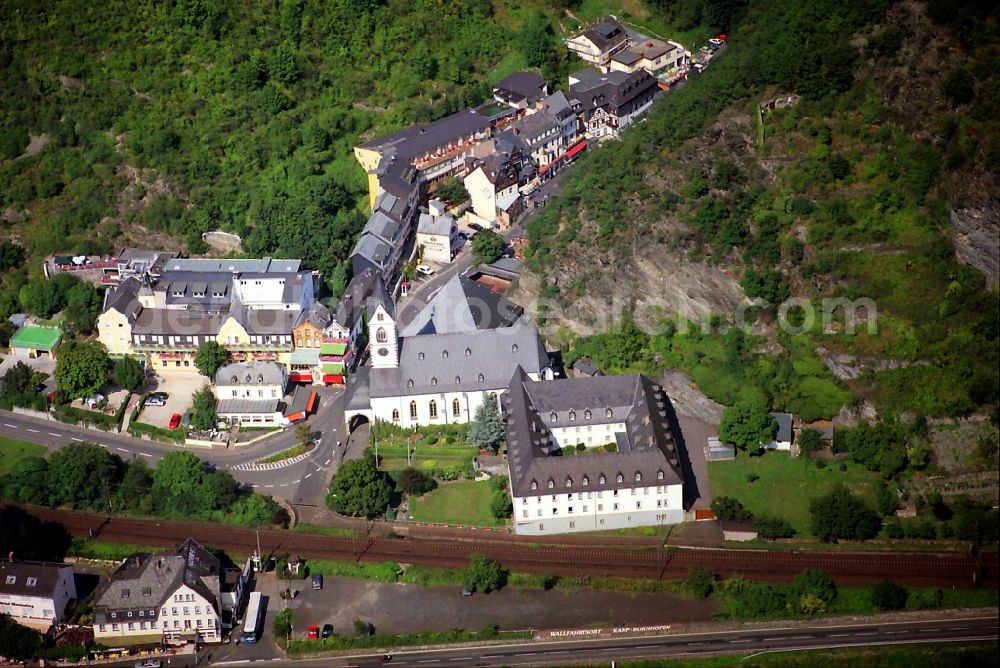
(717, 451)
(294, 563)
(586, 366)
(738, 532)
(31, 341)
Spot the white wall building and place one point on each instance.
(639, 483)
(36, 594)
(437, 235)
(165, 597)
(250, 392)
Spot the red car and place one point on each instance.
(312, 633)
(175, 421)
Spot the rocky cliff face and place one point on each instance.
(976, 235)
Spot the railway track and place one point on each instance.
(855, 568)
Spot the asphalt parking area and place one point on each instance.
(399, 609)
(180, 388)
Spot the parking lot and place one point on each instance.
(180, 388)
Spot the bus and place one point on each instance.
(252, 619)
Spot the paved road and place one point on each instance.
(744, 642)
(305, 480)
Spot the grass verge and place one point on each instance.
(12, 451)
(294, 451)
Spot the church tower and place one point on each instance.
(383, 341)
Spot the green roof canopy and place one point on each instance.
(36, 338)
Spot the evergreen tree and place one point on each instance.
(488, 429)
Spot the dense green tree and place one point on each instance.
(887, 595)
(535, 40)
(414, 482)
(83, 305)
(501, 505)
(129, 374)
(728, 509)
(203, 414)
(179, 484)
(83, 475)
(840, 515)
(488, 427)
(700, 581)
(225, 489)
(254, 510)
(358, 489)
(810, 440)
(483, 574)
(810, 583)
(81, 368)
(41, 298)
(27, 481)
(451, 190)
(11, 255)
(487, 247)
(773, 528)
(18, 642)
(135, 484)
(747, 426)
(886, 499)
(209, 357)
(746, 599)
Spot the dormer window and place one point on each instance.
(31, 582)
(468, 352)
(619, 478)
(601, 480)
(534, 485)
(434, 381)
(608, 413)
(585, 481)
(572, 416)
(552, 483)
(444, 354)
(248, 378)
(586, 414)
(513, 348)
(420, 356)
(235, 380)
(409, 383)
(481, 378)
(458, 380)
(659, 475)
(553, 416)
(260, 378)
(638, 477)
(569, 482)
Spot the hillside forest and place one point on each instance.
(152, 123)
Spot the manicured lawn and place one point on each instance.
(466, 502)
(393, 458)
(786, 484)
(12, 451)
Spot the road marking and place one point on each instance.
(918, 631)
(121, 449)
(839, 635)
(103, 445)
(12, 426)
(741, 640)
(892, 633)
(696, 643)
(33, 431)
(54, 434)
(874, 633)
(74, 438)
(268, 486)
(307, 475)
(779, 638)
(327, 463)
(145, 454)
(957, 628)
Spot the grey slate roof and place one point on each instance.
(558, 105)
(45, 578)
(379, 295)
(784, 428)
(606, 33)
(626, 57)
(124, 298)
(456, 362)
(416, 140)
(163, 322)
(615, 90)
(145, 581)
(437, 225)
(354, 298)
(259, 265)
(247, 406)
(383, 226)
(521, 86)
(587, 366)
(533, 126)
(373, 249)
(250, 374)
(462, 305)
(317, 314)
(646, 448)
(267, 321)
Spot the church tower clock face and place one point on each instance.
(382, 352)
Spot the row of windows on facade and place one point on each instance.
(260, 393)
(180, 339)
(307, 342)
(131, 626)
(660, 503)
(434, 381)
(432, 409)
(30, 581)
(554, 417)
(152, 613)
(600, 481)
(382, 336)
(660, 489)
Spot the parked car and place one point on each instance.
(327, 631)
(425, 270)
(175, 421)
(317, 581)
(312, 633)
(156, 400)
(475, 227)
(148, 663)
(466, 592)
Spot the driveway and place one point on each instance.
(43, 364)
(180, 388)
